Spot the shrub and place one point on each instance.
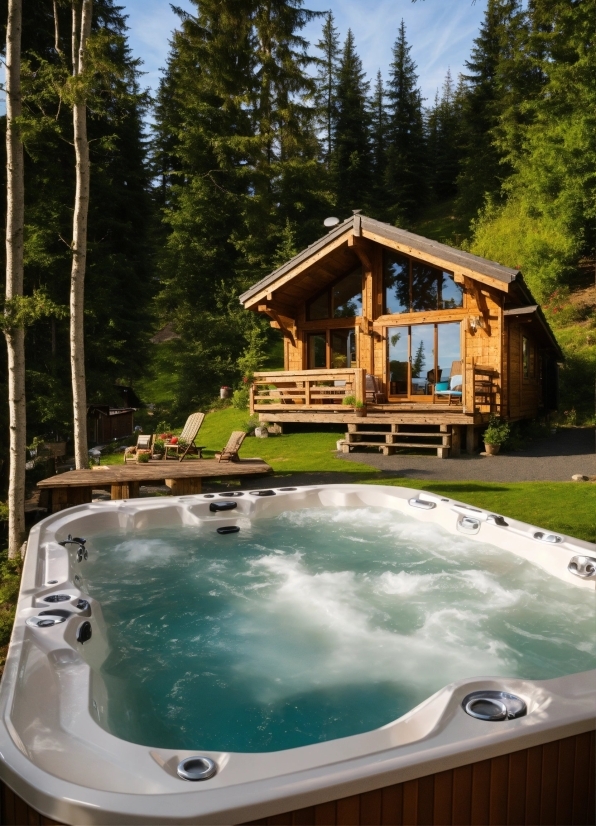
(241, 398)
(350, 401)
(497, 431)
(143, 456)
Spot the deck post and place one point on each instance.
(251, 397)
(455, 441)
(470, 438)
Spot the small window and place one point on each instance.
(527, 358)
(397, 283)
(318, 308)
(451, 295)
(317, 351)
(346, 296)
(344, 299)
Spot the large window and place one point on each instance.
(412, 286)
(333, 349)
(421, 355)
(342, 300)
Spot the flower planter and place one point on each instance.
(492, 450)
(360, 411)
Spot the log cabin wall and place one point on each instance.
(524, 366)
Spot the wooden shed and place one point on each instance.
(105, 423)
(432, 339)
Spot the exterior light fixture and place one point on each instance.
(476, 322)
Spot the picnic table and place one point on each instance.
(75, 487)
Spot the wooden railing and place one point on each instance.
(482, 389)
(310, 389)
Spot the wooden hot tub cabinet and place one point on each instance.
(548, 784)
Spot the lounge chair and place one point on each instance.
(374, 393)
(230, 451)
(144, 442)
(185, 443)
(452, 390)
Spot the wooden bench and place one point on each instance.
(75, 487)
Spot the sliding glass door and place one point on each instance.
(419, 356)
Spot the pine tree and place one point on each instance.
(444, 141)
(378, 202)
(326, 85)
(489, 84)
(351, 162)
(406, 172)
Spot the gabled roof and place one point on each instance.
(379, 231)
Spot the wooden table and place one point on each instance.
(75, 487)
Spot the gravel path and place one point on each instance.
(555, 459)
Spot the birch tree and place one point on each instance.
(14, 331)
(82, 11)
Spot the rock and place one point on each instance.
(261, 432)
(578, 477)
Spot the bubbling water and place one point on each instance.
(314, 625)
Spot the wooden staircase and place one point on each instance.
(390, 437)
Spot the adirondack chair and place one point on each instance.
(144, 442)
(187, 437)
(230, 451)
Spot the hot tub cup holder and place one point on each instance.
(232, 493)
(494, 706)
(196, 768)
(45, 620)
(549, 538)
(262, 493)
(216, 507)
(468, 524)
(582, 566)
(58, 598)
(422, 504)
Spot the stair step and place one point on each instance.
(389, 439)
(394, 444)
(422, 435)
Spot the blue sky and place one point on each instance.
(440, 33)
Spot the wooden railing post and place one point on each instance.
(251, 397)
(360, 384)
(468, 388)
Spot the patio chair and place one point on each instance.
(374, 392)
(452, 390)
(230, 451)
(185, 443)
(144, 442)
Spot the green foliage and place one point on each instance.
(10, 579)
(241, 398)
(497, 432)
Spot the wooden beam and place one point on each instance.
(304, 265)
(280, 322)
(363, 251)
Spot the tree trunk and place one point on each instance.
(15, 336)
(81, 33)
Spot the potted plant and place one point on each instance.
(359, 407)
(143, 456)
(495, 434)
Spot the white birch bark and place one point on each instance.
(15, 336)
(82, 13)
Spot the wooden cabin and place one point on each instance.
(105, 423)
(431, 339)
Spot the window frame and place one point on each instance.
(411, 263)
(328, 332)
(329, 291)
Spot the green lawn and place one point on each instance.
(568, 507)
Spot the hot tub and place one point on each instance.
(467, 742)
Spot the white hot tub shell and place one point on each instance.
(56, 755)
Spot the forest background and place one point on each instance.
(257, 137)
